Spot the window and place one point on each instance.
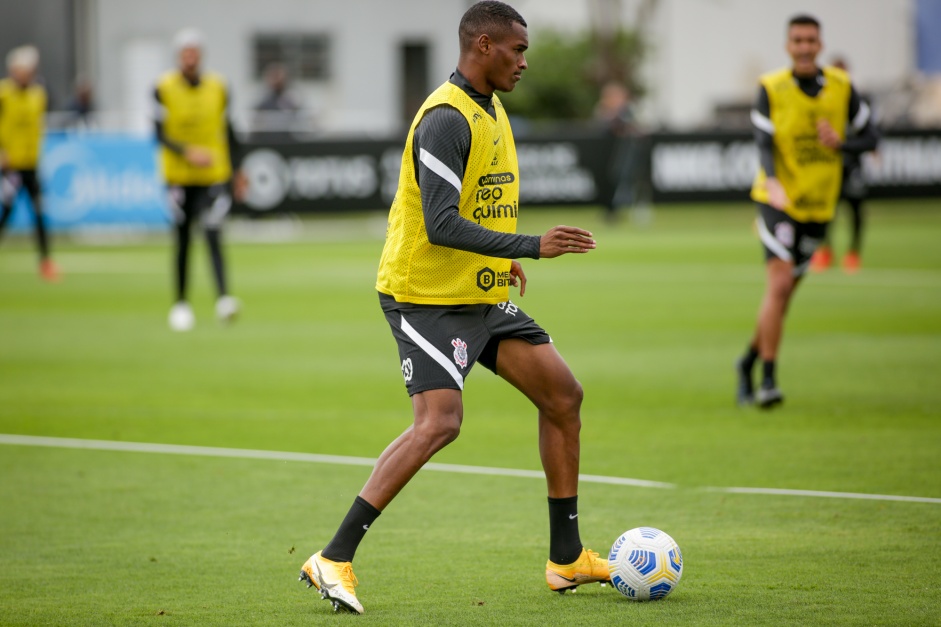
(305, 56)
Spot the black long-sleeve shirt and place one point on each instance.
(865, 134)
(444, 133)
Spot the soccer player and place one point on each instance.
(443, 282)
(800, 117)
(23, 104)
(197, 148)
(853, 191)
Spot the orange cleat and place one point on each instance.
(821, 260)
(851, 262)
(49, 271)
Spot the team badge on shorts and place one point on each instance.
(407, 370)
(784, 233)
(460, 352)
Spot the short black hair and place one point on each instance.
(803, 19)
(489, 16)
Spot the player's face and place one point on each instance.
(23, 76)
(803, 44)
(189, 60)
(507, 58)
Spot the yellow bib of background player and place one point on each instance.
(195, 116)
(21, 123)
(415, 271)
(809, 171)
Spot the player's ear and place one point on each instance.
(483, 44)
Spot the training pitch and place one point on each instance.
(153, 478)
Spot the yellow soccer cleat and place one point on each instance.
(335, 580)
(588, 568)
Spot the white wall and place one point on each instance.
(710, 51)
(705, 51)
(362, 94)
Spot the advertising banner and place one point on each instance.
(97, 179)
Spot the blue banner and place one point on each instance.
(91, 179)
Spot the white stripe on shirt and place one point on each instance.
(761, 122)
(437, 166)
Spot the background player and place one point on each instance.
(198, 144)
(23, 104)
(443, 284)
(801, 117)
(853, 191)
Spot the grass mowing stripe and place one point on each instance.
(208, 451)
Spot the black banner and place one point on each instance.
(564, 169)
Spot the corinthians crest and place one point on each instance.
(460, 352)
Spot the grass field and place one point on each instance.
(650, 322)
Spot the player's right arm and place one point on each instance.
(764, 138)
(441, 147)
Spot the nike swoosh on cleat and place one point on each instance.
(323, 582)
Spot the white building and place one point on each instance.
(362, 66)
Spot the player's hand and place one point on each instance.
(827, 136)
(198, 156)
(517, 276)
(239, 186)
(777, 197)
(560, 240)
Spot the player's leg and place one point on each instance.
(47, 268)
(539, 372)
(218, 202)
(183, 209)
(779, 236)
(852, 260)
(426, 339)
(779, 289)
(10, 184)
(438, 416)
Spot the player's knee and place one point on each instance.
(440, 431)
(564, 404)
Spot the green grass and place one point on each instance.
(650, 322)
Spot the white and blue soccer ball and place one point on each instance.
(646, 564)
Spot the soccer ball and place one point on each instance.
(646, 564)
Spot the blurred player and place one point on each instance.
(198, 143)
(801, 117)
(443, 284)
(23, 104)
(853, 191)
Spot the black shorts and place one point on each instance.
(439, 344)
(212, 202)
(785, 238)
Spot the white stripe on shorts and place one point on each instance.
(772, 243)
(433, 352)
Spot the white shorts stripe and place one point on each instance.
(772, 243)
(437, 166)
(433, 352)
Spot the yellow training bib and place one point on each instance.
(809, 171)
(415, 271)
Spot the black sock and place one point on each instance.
(748, 359)
(767, 371)
(565, 545)
(351, 531)
(213, 238)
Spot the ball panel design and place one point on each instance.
(645, 564)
